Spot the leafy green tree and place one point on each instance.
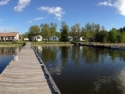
(113, 35)
(58, 34)
(73, 32)
(25, 35)
(93, 30)
(45, 31)
(103, 36)
(87, 35)
(121, 37)
(34, 30)
(53, 27)
(64, 32)
(78, 29)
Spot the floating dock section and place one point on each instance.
(27, 74)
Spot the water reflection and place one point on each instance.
(121, 81)
(85, 70)
(6, 55)
(9, 50)
(56, 68)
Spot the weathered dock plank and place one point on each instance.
(25, 75)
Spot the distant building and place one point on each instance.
(80, 38)
(54, 38)
(26, 39)
(70, 38)
(9, 36)
(37, 38)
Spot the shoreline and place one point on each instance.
(120, 46)
(51, 43)
(12, 44)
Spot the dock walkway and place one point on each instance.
(26, 76)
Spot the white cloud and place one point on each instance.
(4, 2)
(57, 11)
(36, 19)
(39, 18)
(119, 5)
(21, 5)
(105, 3)
(29, 22)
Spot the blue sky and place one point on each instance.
(19, 15)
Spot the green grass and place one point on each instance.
(44, 42)
(50, 43)
(13, 43)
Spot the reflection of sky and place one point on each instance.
(6, 56)
(4, 60)
(114, 82)
(110, 75)
(121, 80)
(55, 68)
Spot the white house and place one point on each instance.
(80, 38)
(26, 39)
(9, 36)
(37, 38)
(70, 38)
(54, 38)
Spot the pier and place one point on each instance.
(27, 74)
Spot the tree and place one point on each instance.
(78, 29)
(45, 31)
(113, 35)
(86, 34)
(58, 34)
(25, 35)
(34, 30)
(52, 28)
(64, 32)
(73, 32)
(103, 36)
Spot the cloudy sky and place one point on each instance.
(19, 15)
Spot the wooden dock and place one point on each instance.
(27, 75)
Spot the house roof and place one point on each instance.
(7, 34)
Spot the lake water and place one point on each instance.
(85, 70)
(79, 70)
(6, 55)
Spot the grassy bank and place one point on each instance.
(51, 43)
(12, 44)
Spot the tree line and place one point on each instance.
(91, 32)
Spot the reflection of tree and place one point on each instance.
(117, 53)
(113, 54)
(48, 54)
(76, 54)
(56, 68)
(122, 55)
(9, 50)
(91, 54)
(64, 54)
